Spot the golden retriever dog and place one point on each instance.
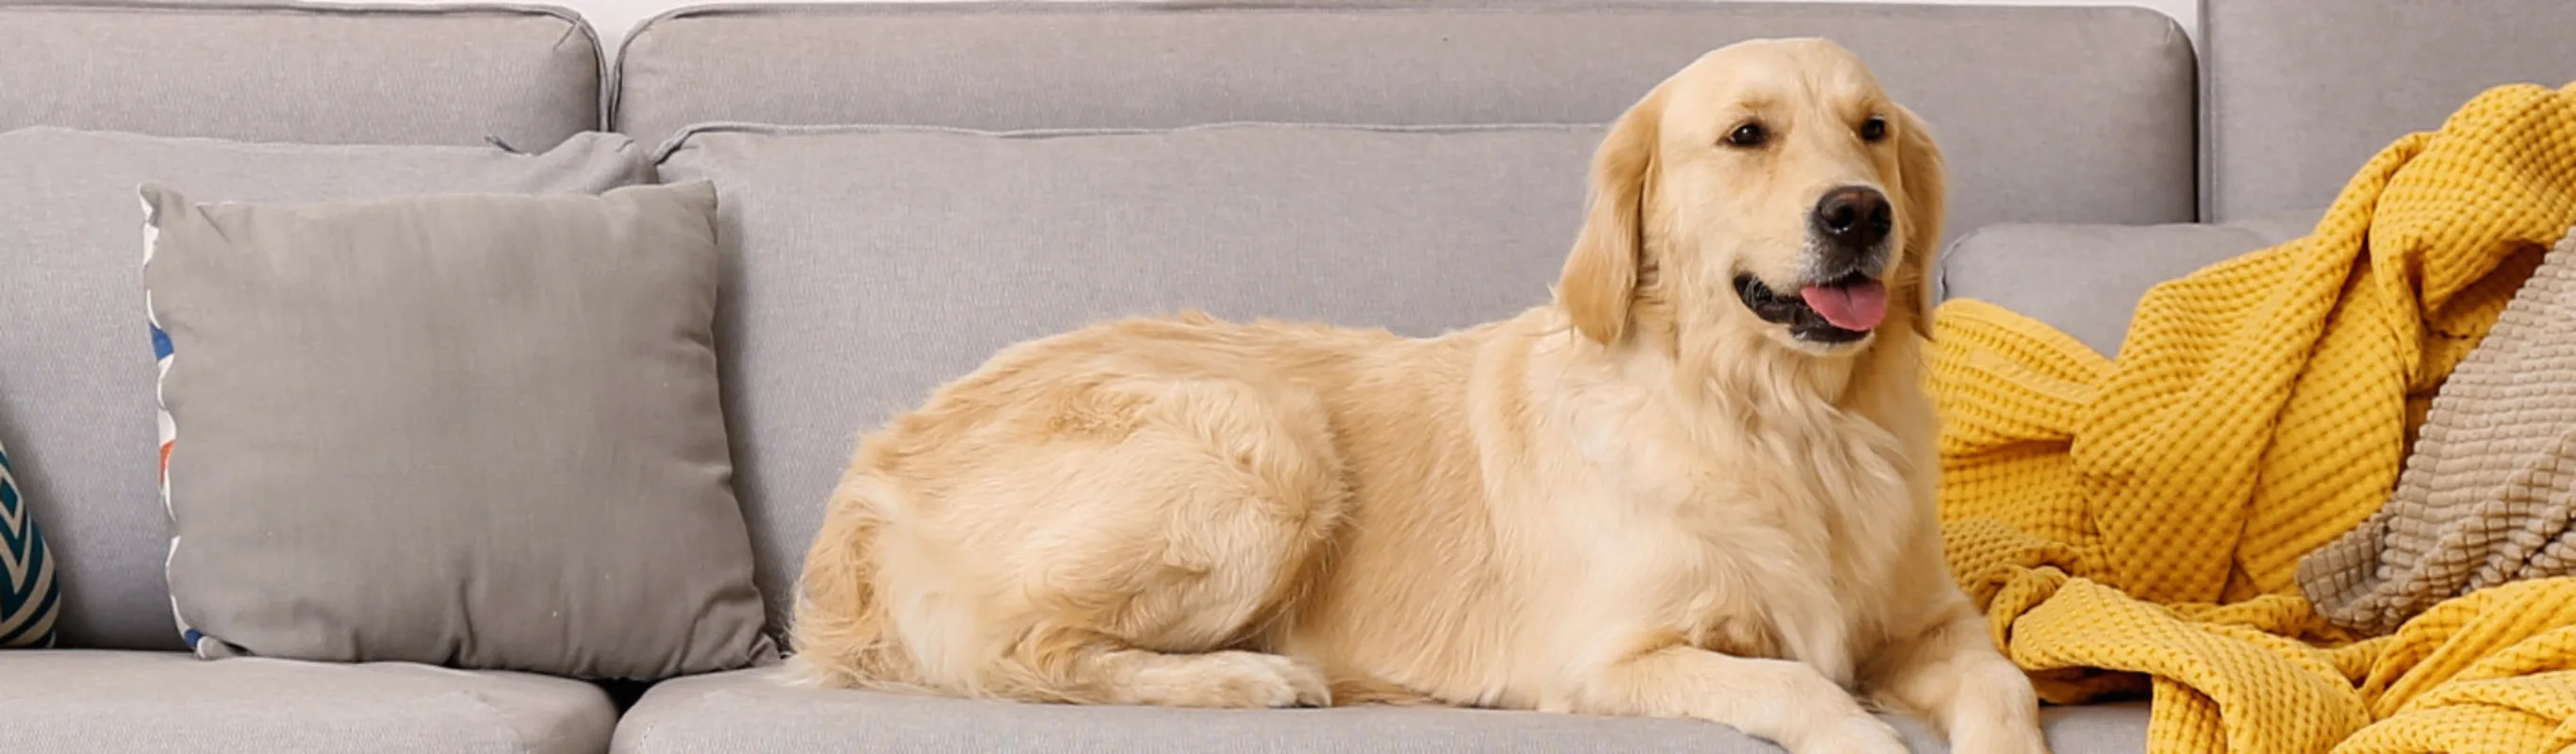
(1699, 483)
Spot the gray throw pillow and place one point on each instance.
(76, 377)
(472, 430)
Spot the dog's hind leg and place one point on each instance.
(1132, 565)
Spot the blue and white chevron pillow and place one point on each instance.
(28, 600)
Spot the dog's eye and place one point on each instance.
(1748, 135)
(1873, 129)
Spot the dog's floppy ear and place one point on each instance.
(1923, 179)
(1599, 284)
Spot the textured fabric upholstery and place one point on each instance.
(157, 702)
(301, 72)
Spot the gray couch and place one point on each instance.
(1237, 157)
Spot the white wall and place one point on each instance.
(615, 17)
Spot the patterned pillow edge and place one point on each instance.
(29, 599)
(152, 195)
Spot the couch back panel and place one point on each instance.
(868, 266)
(867, 272)
(526, 75)
(2049, 114)
(2299, 97)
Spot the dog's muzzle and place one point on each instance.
(1853, 298)
(1840, 298)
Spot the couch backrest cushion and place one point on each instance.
(76, 386)
(2048, 114)
(2302, 92)
(2086, 280)
(311, 73)
(873, 264)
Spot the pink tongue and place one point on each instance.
(1852, 307)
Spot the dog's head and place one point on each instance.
(1769, 188)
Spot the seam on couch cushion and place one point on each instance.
(678, 140)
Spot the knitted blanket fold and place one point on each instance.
(2488, 496)
(2135, 524)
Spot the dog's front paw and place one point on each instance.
(1231, 679)
(2010, 726)
(1857, 733)
(2023, 740)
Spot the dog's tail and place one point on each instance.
(841, 633)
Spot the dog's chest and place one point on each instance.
(1769, 541)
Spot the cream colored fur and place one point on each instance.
(1639, 499)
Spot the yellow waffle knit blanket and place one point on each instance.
(2138, 522)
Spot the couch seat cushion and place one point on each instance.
(2085, 280)
(750, 711)
(138, 702)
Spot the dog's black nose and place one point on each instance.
(1854, 217)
